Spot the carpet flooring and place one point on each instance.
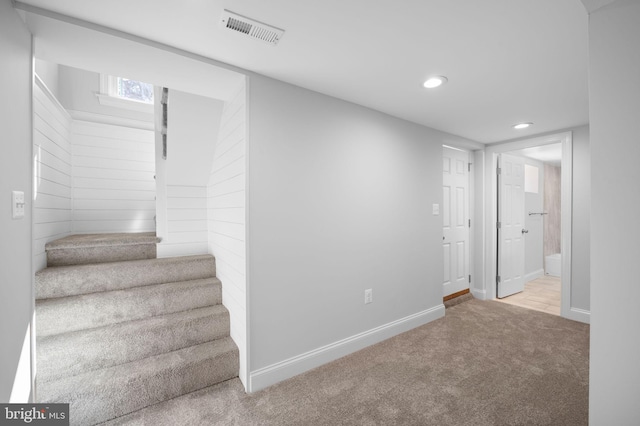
(484, 363)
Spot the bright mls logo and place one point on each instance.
(36, 414)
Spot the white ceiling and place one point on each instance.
(551, 153)
(507, 60)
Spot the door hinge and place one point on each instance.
(469, 223)
(468, 167)
(498, 225)
(499, 171)
(497, 279)
(469, 279)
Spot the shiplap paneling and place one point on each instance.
(113, 178)
(52, 172)
(186, 222)
(226, 205)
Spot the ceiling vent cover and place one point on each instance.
(251, 28)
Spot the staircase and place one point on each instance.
(119, 330)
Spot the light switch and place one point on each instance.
(436, 209)
(17, 204)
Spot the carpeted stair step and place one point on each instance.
(96, 248)
(77, 352)
(108, 393)
(61, 281)
(66, 314)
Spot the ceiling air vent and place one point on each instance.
(251, 28)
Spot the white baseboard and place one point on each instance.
(578, 314)
(479, 294)
(272, 374)
(534, 275)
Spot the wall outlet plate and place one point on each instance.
(368, 296)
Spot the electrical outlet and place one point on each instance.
(17, 204)
(368, 296)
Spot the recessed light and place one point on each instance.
(520, 126)
(435, 81)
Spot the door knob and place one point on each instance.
(525, 231)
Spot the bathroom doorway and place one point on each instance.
(494, 267)
(540, 231)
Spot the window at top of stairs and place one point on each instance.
(125, 93)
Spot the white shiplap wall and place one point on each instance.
(186, 221)
(226, 203)
(52, 213)
(113, 178)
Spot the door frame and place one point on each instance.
(491, 218)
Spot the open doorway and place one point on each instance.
(494, 264)
(539, 234)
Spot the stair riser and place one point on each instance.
(105, 396)
(78, 352)
(88, 255)
(84, 279)
(54, 316)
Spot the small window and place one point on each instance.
(125, 93)
(133, 90)
(530, 179)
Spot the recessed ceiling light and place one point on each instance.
(521, 125)
(435, 81)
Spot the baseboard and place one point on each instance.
(479, 294)
(456, 294)
(534, 275)
(283, 370)
(578, 314)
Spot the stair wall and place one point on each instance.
(113, 178)
(226, 216)
(52, 214)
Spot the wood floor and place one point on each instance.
(542, 294)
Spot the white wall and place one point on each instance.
(581, 244)
(478, 287)
(113, 178)
(226, 215)
(194, 124)
(614, 92)
(52, 214)
(192, 133)
(48, 73)
(533, 241)
(16, 286)
(340, 201)
(77, 92)
(553, 206)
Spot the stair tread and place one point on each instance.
(85, 311)
(61, 281)
(111, 392)
(76, 352)
(102, 240)
(195, 408)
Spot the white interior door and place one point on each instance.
(455, 220)
(510, 225)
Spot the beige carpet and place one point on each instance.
(485, 363)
